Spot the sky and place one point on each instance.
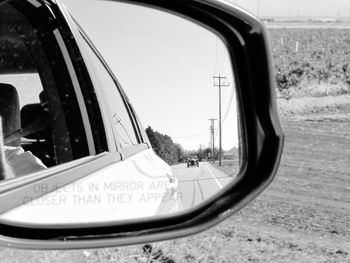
(285, 8)
(166, 66)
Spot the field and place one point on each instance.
(304, 215)
(311, 61)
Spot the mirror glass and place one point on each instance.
(179, 80)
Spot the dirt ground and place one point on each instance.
(303, 216)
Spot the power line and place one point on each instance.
(214, 72)
(229, 104)
(190, 135)
(216, 54)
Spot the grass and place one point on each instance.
(230, 167)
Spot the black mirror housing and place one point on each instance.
(262, 138)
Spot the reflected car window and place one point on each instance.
(119, 114)
(39, 105)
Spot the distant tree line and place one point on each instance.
(205, 154)
(164, 147)
(173, 153)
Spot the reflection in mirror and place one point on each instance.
(179, 80)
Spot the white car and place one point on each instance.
(67, 109)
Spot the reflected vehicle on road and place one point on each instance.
(192, 161)
(199, 184)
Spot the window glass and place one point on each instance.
(42, 124)
(28, 86)
(119, 114)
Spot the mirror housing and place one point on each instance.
(262, 138)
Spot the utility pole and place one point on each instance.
(220, 84)
(212, 138)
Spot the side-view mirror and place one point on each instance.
(79, 81)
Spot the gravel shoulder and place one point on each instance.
(336, 106)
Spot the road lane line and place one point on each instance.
(216, 179)
(194, 194)
(199, 175)
(200, 190)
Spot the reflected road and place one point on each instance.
(196, 184)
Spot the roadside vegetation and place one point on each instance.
(164, 147)
(311, 62)
(229, 167)
(173, 153)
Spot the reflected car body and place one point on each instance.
(140, 186)
(110, 189)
